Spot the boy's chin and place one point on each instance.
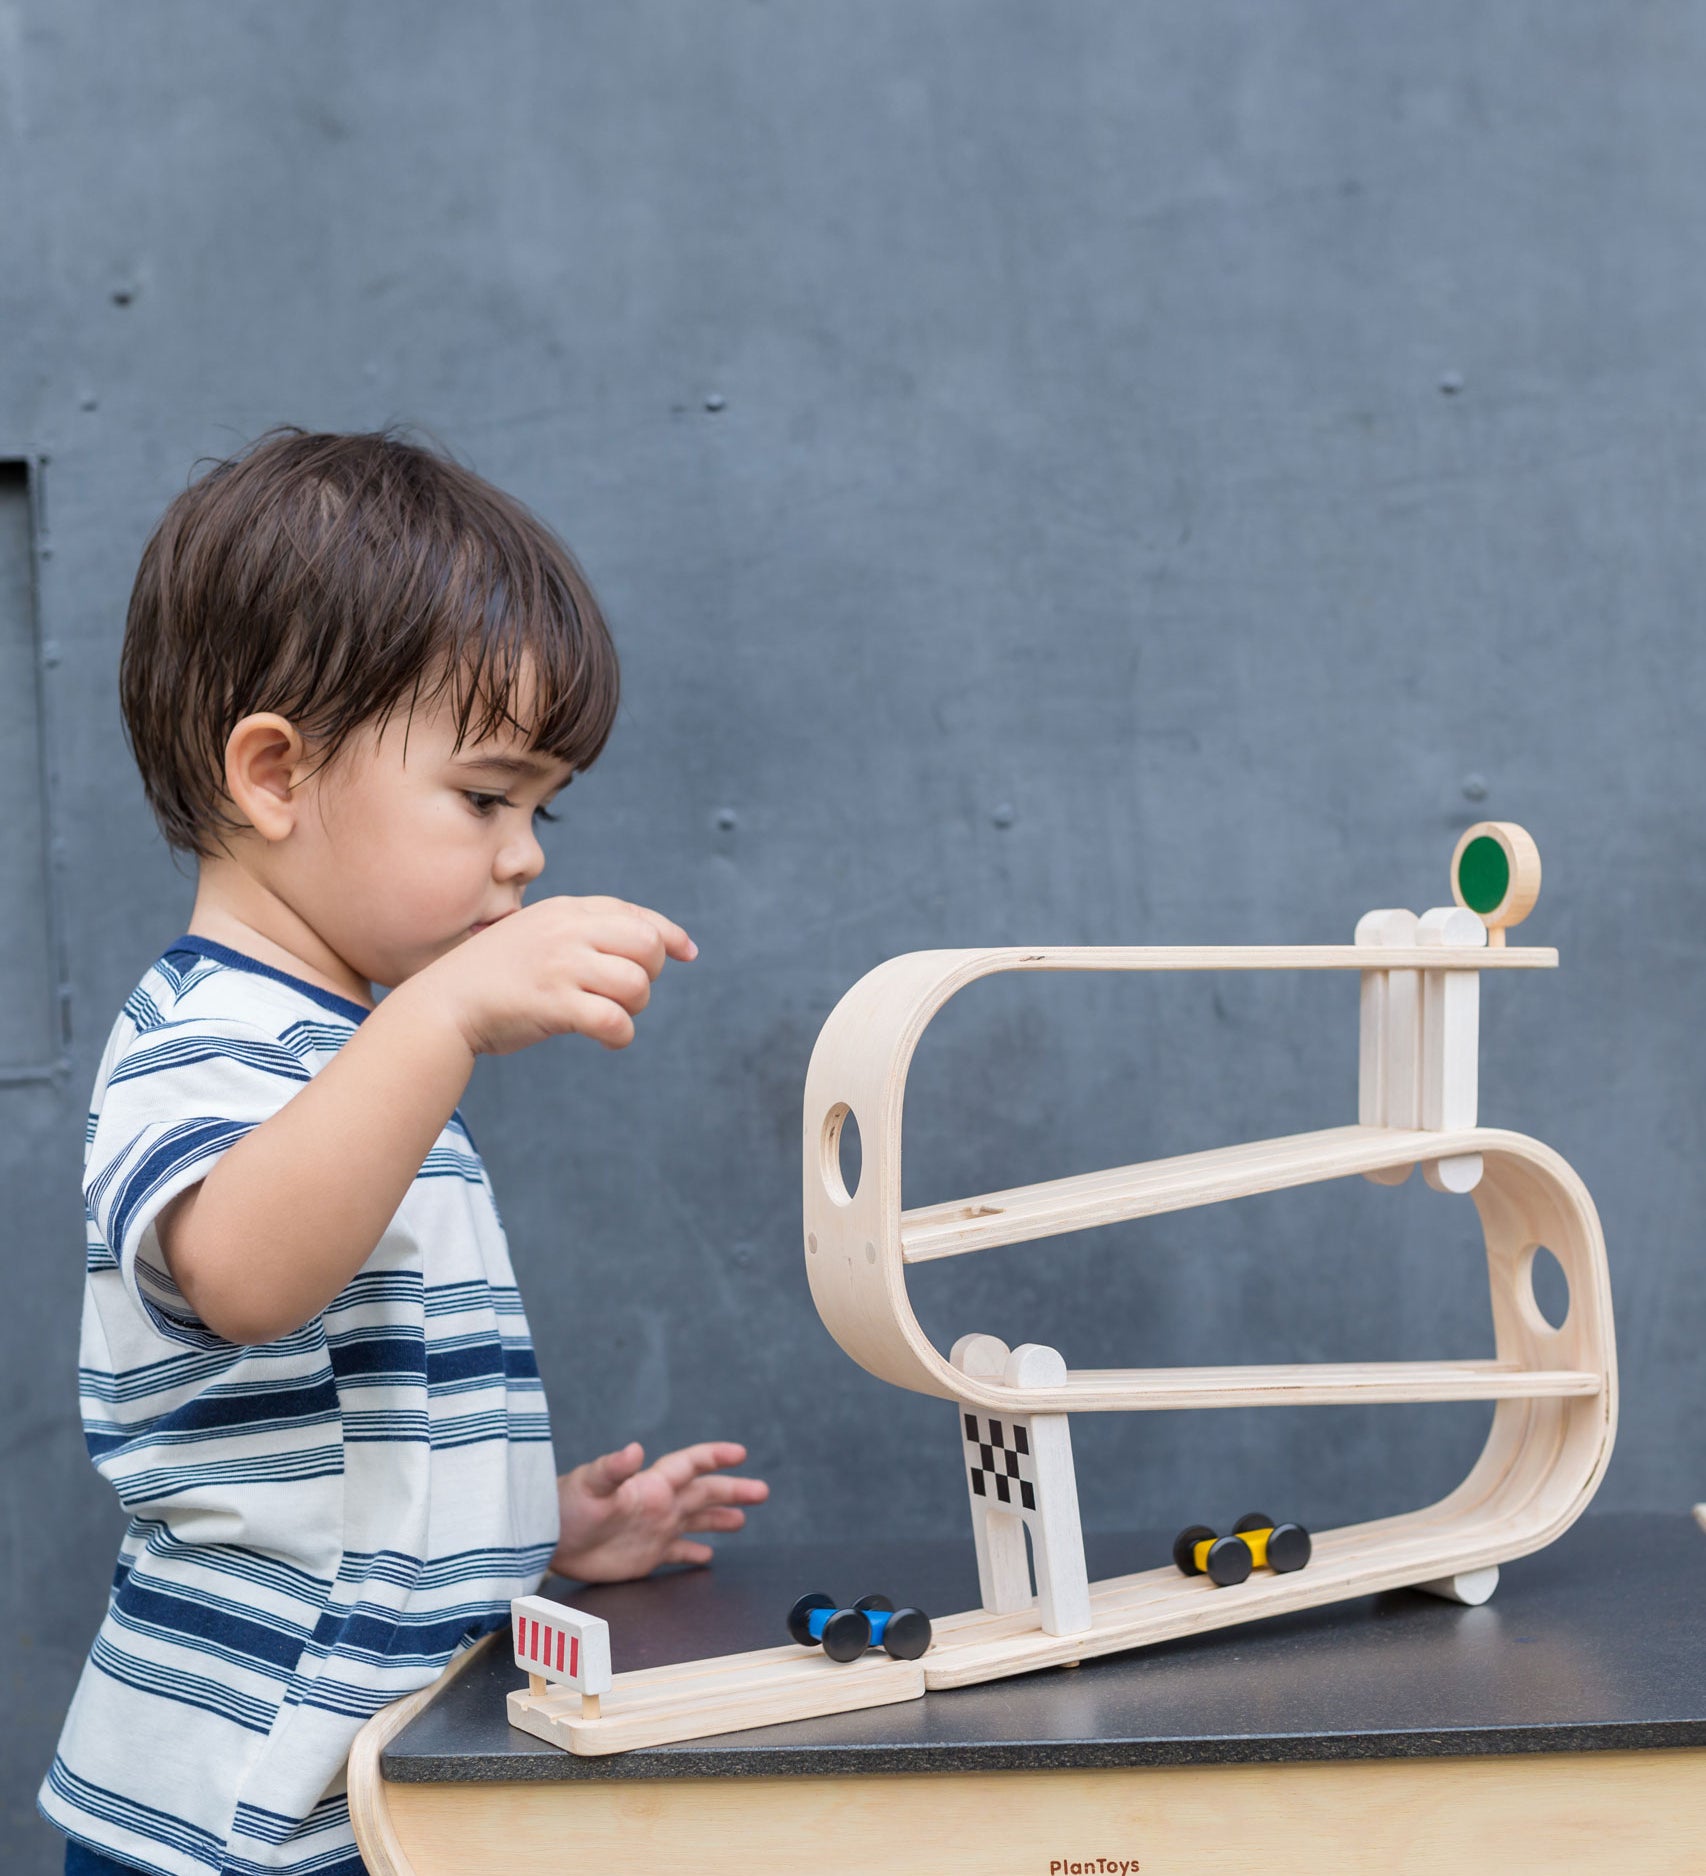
(388, 972)
(420, 960)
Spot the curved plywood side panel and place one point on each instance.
(1544, 1459)
(853, 1252)
(376, 1836)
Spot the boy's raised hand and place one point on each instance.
(621, 1518)
(556, 967)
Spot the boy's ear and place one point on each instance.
(262, 755)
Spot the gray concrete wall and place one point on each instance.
(1099, 473)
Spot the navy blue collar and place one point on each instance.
(240, 961)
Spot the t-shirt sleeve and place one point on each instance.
(177, 1097)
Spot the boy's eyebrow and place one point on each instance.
(510, 765)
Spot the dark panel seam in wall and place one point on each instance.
(34, 997)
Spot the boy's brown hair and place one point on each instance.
(331, 578)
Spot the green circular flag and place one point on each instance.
(1484, 875)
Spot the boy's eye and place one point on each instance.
(484, 804)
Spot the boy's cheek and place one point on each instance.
(399, 912)
(410, 875)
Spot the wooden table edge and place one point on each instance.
(1582, 1812)
(370, 1814)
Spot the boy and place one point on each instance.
(353, 676)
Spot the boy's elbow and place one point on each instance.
(235, 1323)
(224, 1297)
(233, 1315)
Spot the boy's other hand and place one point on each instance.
(621, 1521)
(560, 966)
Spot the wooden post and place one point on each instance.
(1451, 1043)
(1389, 1058)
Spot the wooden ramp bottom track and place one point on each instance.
(770, 1686)
(722, 1694)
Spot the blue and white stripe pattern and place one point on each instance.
(317, 1524)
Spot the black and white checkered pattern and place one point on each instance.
(998, 1462)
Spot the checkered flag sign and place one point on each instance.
(998, 1462)
(1021, 1482)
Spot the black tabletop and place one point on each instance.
(1597, 1642)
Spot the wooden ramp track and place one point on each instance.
(722, 1694)
(1186, 1181)
(772, 1686)
(858, 1268)
(1321, 1384)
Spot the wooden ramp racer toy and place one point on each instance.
(1555, 1389)
(1255, 1542)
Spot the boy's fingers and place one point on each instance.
(622, 935)
(619, 980)
(605, 1474)
(684, 1550)
(693, 1462)
(715, 1518)
(683, 1466)
(722, 1490)
(602, 1020)
(675, 941)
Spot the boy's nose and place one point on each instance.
(521, 859)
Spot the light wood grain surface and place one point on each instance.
(1566, 1814)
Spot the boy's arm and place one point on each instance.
(295, 1208)
(291, 1212)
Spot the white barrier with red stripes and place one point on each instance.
(561, 1644)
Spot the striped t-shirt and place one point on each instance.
(317, 1524)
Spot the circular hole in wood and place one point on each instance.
(841, 1153)
(1549, 1287)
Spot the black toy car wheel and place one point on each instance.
(1185, 1545)
(1288, 1548)
(797, 1617)
(1230, 1561)
(907, 1635)
(846, 1635)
